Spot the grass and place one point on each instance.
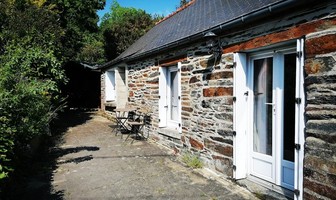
(192, 161)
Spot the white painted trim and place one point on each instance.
(164, 101)
(300, 123)
(255, 159)
(179, 76)
(239, 116)
(278, 122)
(278, 93)
(163, 97)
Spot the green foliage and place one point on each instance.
(122, 27)
(28, 85)
(6, 146)
(78, 18)
(184, 2)
(30, 75)
(92, 51)
(191, 160)
(36, 38)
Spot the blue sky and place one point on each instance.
(161, 7)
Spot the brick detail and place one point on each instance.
(219, 75)
(196, 144)
(291, 33)
(217, 91)
(320, 45)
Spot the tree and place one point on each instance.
(183, 2)
(36, 37)
(122, 27)
(30, 73)
(92, 51)
(77, 18)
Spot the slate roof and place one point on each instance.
(199, 17)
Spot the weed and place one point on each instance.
(192, 161)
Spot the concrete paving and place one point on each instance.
(94, 163)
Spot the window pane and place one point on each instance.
(174, 95)
(263, 84)
(289, 107)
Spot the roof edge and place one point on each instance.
(177, 11)
(252, 16)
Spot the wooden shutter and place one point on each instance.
(240, 116)
(299, 120)
(163, 97)
(179, 96)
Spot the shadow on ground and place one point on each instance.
(32, 179)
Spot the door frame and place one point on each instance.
(241, 123)
(276, 159)
(164, 99)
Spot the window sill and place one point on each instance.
(169, 132)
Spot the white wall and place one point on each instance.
(110, 86)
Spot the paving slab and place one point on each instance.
(94, 163)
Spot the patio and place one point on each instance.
(93, 163)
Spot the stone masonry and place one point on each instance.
(207, 95)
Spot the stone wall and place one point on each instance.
(207, 109)
(207, 95)
(102, 91)
(320, 82)
(206, 104)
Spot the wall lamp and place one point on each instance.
(213, 44)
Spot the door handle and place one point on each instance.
(273, 106)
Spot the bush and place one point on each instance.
(29, 77)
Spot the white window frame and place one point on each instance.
(164, 98)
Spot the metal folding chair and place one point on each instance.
(122, 116)
(137, 126)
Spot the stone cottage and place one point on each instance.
(248, 85)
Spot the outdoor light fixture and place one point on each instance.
(213, 44)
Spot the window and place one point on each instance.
(170, 97)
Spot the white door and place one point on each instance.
(272, 127)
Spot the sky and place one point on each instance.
(161, 7)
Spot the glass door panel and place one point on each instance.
(262, 159)
(287, 179)
(174, 96)
(289, 107)
(263, 106)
